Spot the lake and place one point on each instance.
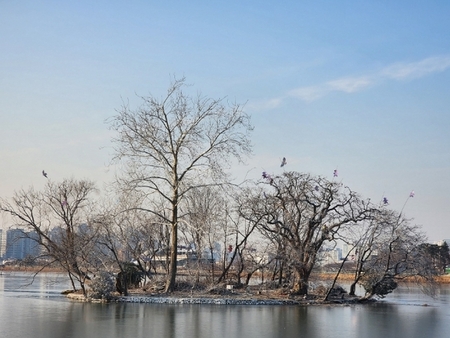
(39, 310)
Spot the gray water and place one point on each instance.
(39, 310)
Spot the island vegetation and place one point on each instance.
(175, 222)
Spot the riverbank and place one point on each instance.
(193, 300)
(31, 269)
(316, 277)
(226, 295)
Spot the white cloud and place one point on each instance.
(418, 69)
(353, 84)
(265, 105)
(309, 93)
(349, 84)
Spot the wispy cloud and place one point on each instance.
(345, 84)
(353, 84)
(308, 93)
(412, 70)
(265, 105)
(349, 84)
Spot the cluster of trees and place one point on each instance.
(175, 190)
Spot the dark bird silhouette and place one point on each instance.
(283, 162)
(44, 173)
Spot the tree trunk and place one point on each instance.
(353, 288)
(170, 285)
(280, 276)
(171, 277)
(300, 288)
(228, 266)
(301, 284)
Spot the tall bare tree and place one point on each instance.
(175, 144)
(303, 212)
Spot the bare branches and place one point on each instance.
(56, 216)
(302, 212)
(175, 144)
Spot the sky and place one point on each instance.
(357, 86)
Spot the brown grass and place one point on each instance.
(348, 277)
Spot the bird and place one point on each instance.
(44, 173)
(335, 173)
(283, 162)
(385, 200)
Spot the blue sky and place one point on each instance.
(361, 86)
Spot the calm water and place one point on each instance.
(38, 310)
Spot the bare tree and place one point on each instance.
(304, 211)
(237, 231)
(175, 144)
(362, 240)
(204, 210)
(253, 258)
(128, 241)
(439, 256)
(59, 216)
(396, 254)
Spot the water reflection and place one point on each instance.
(40, 311)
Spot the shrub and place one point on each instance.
(102, 286)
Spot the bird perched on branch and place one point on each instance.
(44, 173)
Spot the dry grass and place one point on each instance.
(348, 277)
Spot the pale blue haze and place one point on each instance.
(361, 86)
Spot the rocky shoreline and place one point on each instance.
(230, 299)
(203, 301)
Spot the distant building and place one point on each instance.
(442, 241)
(21, 244)
(345, 250)
(214, 253)
(2, 243)
(329, 256)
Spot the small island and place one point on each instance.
(175, 224)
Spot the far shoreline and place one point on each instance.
(315, 277)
